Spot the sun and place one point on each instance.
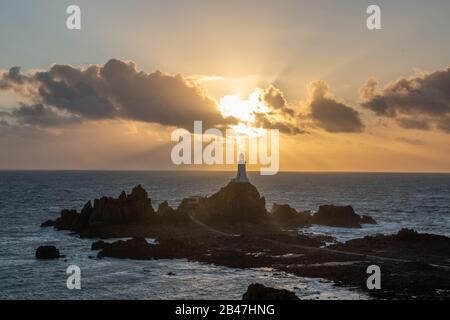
(244, 110)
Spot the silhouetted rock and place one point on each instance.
(406, 241)
(67, 220)
(368, 220)
(126, 209)
(164, 209)
(236, 202)
(339, 216)
(136, 248)
(98, 245)
(285, 215)
(48, 223)
(47, 252)
(257, 291)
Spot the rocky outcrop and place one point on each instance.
(167, 214)
(339, 216)
(407, 242)
(136, 248)
(98, 245)
(47, 252)
(287, 216)
(236, 202)
(257, 291)
(126, 209)
(48, 223)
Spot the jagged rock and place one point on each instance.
(66, 220)
(84, 216)
(164, 209)
(284, 214)
(421, 244)
(126, 209)
(368, 220)
(98, 245)
(136, 248)
(339, 216)
(237, 202)
(257, 291)
(47, 252)
(48, 223)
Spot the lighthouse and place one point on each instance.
(241, 176)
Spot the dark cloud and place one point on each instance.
(414, 123)
(279, 116)
(444, 123)
(116, 90)
(420, 102)
(328, 113)
(262, 120)
(41, 115)
(274, 99)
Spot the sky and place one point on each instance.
(108, 96)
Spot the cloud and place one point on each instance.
(116, 90)
(263, 120)
(328, 113)
(41, 115)
(444, 124)
(275, 100)
(419, 102)
(279, 116)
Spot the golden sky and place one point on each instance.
(108, 96)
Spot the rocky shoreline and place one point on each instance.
(233, 228)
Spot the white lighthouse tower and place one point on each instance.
(241, 176)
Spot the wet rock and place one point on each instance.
(48, 223)
(47, 252)
(135, 248)
(126, 209)
(368, 220)
(106, 211)
(339, 216)
(98, 245)
(66, 220)
(258, 291)
(405, 243)
(236, 202)
(285, 215)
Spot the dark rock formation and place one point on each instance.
(136, 248)
(368, 220)
(409, 242)
(126, 209)
(285, 215)
(47, 252)
(339, 216)
(48, 223)
(66, 220)
(167, 214)
(236, 202)
(98, 245)
(258, 291)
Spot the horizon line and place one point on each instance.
(220, 171)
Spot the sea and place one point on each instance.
(28, 198)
